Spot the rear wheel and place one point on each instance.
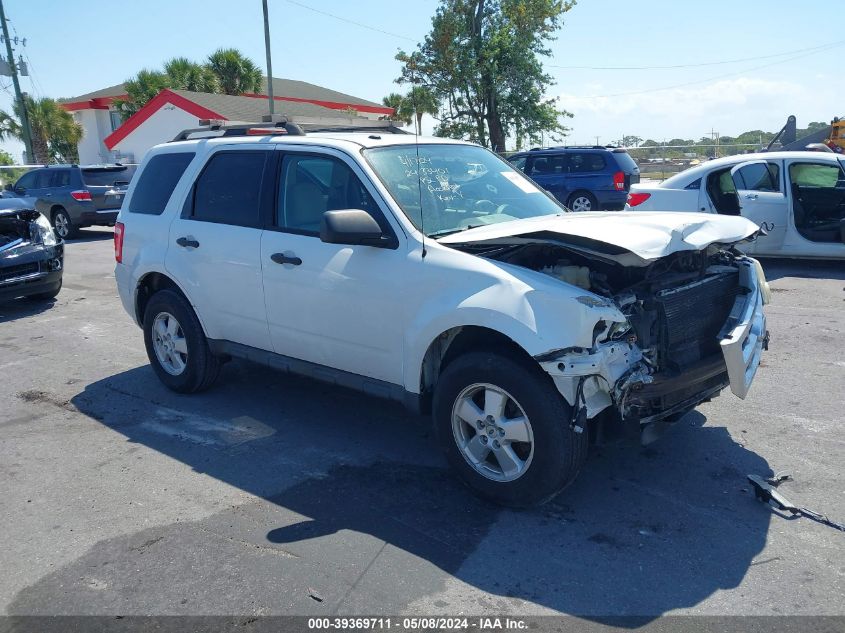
(505, 429)
(582, 201)
(176, 345)
(63, 225)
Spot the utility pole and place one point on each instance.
(269, 61)
(27, 132)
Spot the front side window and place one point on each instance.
(27, 181)
(228, 191)
(311, 185)
(157, 182)
(44, 179)
(818, 200)
(519, 162)
(444, 188)
(547, 165)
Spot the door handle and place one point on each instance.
(185, 241)
(751, 196)
(281, 258)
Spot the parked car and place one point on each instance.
(583, 178)
(436, 274)
(31, 257)
(74, 196)
(798, 198)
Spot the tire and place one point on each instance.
(63, 225)
(183, 362)
(46, 296)
(582, 201)
(550, 461)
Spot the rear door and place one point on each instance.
(760, 191)
(817, 189)
(107, 185)
(215, 245)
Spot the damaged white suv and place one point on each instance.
(436, 274)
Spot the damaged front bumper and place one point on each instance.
(615, 374)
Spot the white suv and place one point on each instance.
(434, 273)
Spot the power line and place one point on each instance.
(699, 65)
(703, 81)
(347, 20)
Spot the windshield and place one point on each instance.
(446, 188)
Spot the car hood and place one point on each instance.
(633, 238)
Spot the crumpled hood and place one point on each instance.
(646, 236)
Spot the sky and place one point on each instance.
(76, 46)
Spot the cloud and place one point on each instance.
(731, 106)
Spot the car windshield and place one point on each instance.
(446, 188)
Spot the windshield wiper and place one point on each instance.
(446, 232)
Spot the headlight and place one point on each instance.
(42, 232)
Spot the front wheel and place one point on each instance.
(506, 430)
(63, 225)
(176, 345)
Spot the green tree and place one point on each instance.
(422, 101)
(9, 175)
(481, 64)
(142, 88)
(235, 73)
(184, 74)
(225, 71)
(55, 134)
(401, 110)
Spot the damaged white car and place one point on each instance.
(434, 273)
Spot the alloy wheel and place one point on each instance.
(492, 432)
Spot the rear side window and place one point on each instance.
(61, 178)
(581, 163)
(228, 190)
(759, 177)
(157, 181)
(108, 176)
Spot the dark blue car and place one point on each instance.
(583, 178)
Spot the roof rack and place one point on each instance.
(540, 149)
(281, 125)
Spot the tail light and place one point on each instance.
(81, 195)
(118, 242)
(636, 199)
(619, 180)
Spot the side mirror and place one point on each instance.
(353, 227)
(9, 187)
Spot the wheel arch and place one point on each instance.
(153, 281)
(455, 342)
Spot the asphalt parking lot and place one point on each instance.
(271, 494)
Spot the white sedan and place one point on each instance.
(797, 198)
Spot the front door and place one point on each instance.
(762, 200)
(331, 304)
(548, 171)
(818, 208)
(214, 247)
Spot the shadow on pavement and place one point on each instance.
(362, 509)
(20, 308)
(776, 268)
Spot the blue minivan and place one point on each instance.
(584, 178)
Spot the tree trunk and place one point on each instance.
(40, 149)
(419, 123)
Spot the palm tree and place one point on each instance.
(403, 112)
(235, 73)
(141, 88)
(187, 75)
(55, 134)
(422, 101)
